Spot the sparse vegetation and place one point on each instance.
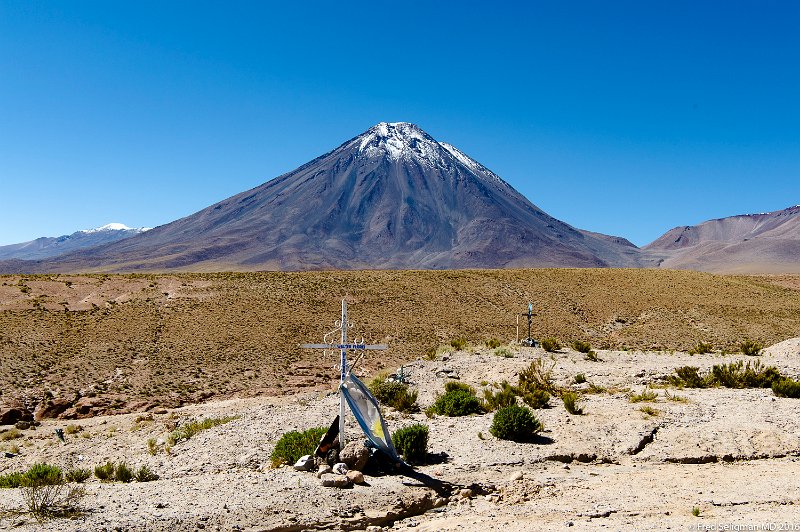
(649, 410)
(696, 511)
(581, 346)
(192, 427)
(412, 443)
(503, 352)
(536, 398)
(786, 388)
(394, 394)
(580, 378)
(733, 375)
(104, 472)
(123, 473)
(10, 434)
(493, 343)
(459, 344)
(152, 446)
(11, 480)
(506, 395)
(591, 356)
(458, 400)
(538, 376)
(73, 429)
(750, 348)
(570, 400)
(44, 490)
(646, 396)
(77, 475)
(701, 348)
(292, 445)
(674, 397)
(143, 474)
(515, 423)
(550, 345)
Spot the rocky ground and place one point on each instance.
(732, 456)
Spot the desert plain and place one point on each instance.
(126, 359)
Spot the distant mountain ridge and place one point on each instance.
(48, 247)
(390, 198)
(749, 243)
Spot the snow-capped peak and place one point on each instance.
(114, 226)
(398, 140)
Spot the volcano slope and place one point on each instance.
(119, 343)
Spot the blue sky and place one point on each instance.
(626, 118)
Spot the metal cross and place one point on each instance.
(344, 346)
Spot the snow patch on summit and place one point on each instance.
(114, 226)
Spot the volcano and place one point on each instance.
(390, 198)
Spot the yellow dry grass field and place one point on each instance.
(133, 341)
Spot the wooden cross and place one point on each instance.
(344, 347)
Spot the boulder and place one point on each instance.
(23, 425)
(324, 470)
(10, 415)
(355, 455)
(340, 468)
(51, 409)
(330, 480)
(356, 477)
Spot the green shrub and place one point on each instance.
(493, 343)
(591, 356)
(451, 386)
(73, 429)
(152, 446)
(458, 344)
(104, 472)
(581, 347)
(580, 378)
(123, 473)
(292, 445)
(457, 402)
(192, 427)
(538, 376)
(143, 474)
(741, 375)
(44, 492)
(701, 348)
(394, 394)
(750, 348)
(11, 480)
(786, 388)
(506, 395)
(41, 474)
(550, 345)
(503, 352)
(644, 397)
(689, 377)
(77, 475)
(571, 403)
(649, 410)
(515, 423)
(412, 443)
(536, 398)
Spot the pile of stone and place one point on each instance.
(345, 470)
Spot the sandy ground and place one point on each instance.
(734, 455)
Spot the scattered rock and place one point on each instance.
(23, 425)
(356, 477)
(305, 463)
(355, 455)
(324, 470)
(465, 493)
(335, 481)
(517, 475)
(340, 468)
